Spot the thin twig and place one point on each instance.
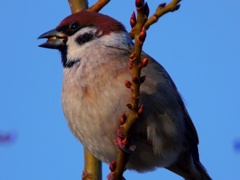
(98, 5)
(138, 33)
(160, 11)
(92, 167)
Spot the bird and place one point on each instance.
(95, 51)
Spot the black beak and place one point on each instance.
(56, 39)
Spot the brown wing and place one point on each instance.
(188, 164)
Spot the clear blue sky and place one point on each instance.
(199, 45)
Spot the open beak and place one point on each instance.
(55, 39)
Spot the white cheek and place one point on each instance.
(74, 49)
(121, 40)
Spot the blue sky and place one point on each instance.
(199, 46)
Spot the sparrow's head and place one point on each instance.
(79, 29)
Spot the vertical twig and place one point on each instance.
(92, 167)
(138, 33)
(135, 64)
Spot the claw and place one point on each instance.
(119, 133)
(121, 142)
(111, 176)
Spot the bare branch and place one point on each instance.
(135, 64)
(98, 5)
(92, 167)
(138, 33)
(78, 5)
(161, 10)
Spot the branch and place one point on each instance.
(160, 11)
(138, 33)
(135, 65)
(78, 5)
(92, 167)
(98, 5)
(81, 5)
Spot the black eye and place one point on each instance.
(74, 26)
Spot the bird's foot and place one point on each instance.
(122, 143)
(112, 167)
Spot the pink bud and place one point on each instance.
(124, 141)
(112, 166)
(144, 62)
(128, 84)
(123, 119)
(162, 5)
(140, 110)
(177, 7)
(133, 57)
(130, 65)
(146, 9)
(133, 20)
(139, 3)
(135, 79)
(142, 35)
(129, 106)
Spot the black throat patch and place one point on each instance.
(67, 63)
(70, 64)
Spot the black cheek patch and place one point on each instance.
(84, 38)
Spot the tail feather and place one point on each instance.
(201, 169)
(189, 168)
